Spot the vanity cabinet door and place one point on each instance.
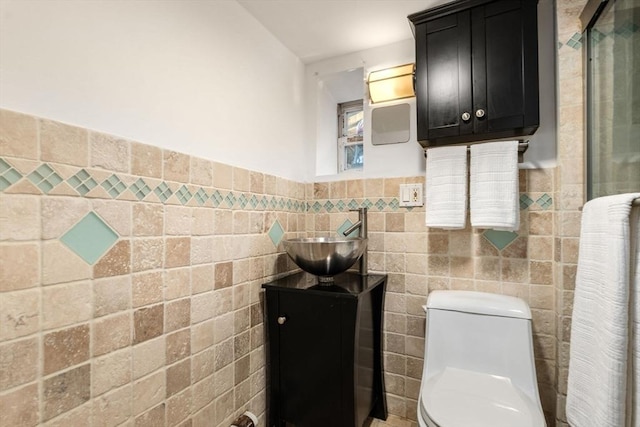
(311, 376)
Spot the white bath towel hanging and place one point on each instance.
(446, 187)
(494, 187)
(602, 339)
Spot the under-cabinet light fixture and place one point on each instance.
(391, 83)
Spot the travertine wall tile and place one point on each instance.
(111, 371)
(18, 135)
(109, 152)
(149, 391)
(20, 218)
(61, 265)
(20, 407)
(115, 262)
(66, 304)
(148, 356)
(65, 348)
(18, 362)
(62, 143)
(111, 333)
(20, 266)
(176, 166)
(111, 295)
(148, 322)
(146, 160)
(66, 391)
(113, 408)
(148, 219)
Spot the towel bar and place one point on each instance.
(522, 147)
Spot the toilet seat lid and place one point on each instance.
(457, 397)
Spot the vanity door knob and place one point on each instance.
(480, 113)
(466, 116)
(281, 320)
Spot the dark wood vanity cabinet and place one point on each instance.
(325, 350)
(476, 71)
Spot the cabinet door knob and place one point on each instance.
(281, 320)
(466, 116)
(480, 113)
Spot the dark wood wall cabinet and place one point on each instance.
(476, 71)
(325, 350)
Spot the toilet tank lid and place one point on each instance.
(479, 303)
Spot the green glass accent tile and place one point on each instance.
(242, 200)
(114, 186)
(216, 198)
(296, 206)
(230, 199)
(264, 202)
(328, 205)
(273, 202)
(353, 204)
(163, 191)
(281, 203)
(8, 175)
(381, 204)
(4, 166)
(183, 194)
(525, 201)
(289, 204)
(253, 201)
(545, 201)
(500, 239)
(597, 36)
(560, 45)
(345, 225)
(316, 207)
(140, 189)
(394, 204)
(82, 182)
(276, 233)
(575, 41)
(626, 30)
(367, 204)
(90, 238)
(201, 196)
(340, 205)
(45, 178)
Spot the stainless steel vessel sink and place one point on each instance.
(325, 256)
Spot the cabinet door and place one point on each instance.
(310, 360)
(443, 77)
(505, 67)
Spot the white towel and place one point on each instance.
(600, 329)
(446, 187)
(494, 186)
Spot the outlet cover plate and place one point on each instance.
(411, 195)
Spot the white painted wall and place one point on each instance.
(200, 77)
(407, 159)
(379, 161)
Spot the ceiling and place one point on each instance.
(318, 29)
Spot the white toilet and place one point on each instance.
(479, 368)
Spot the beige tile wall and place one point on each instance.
(419, 260)
(165, 328)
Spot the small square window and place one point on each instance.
(350, 135)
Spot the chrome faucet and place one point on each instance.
(362, 225)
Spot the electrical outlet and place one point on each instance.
(411, 195)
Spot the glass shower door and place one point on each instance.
(613, 100)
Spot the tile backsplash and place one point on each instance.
(130, 279)
(157, 319)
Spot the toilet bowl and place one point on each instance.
(479, 367)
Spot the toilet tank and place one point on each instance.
(480, 332)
